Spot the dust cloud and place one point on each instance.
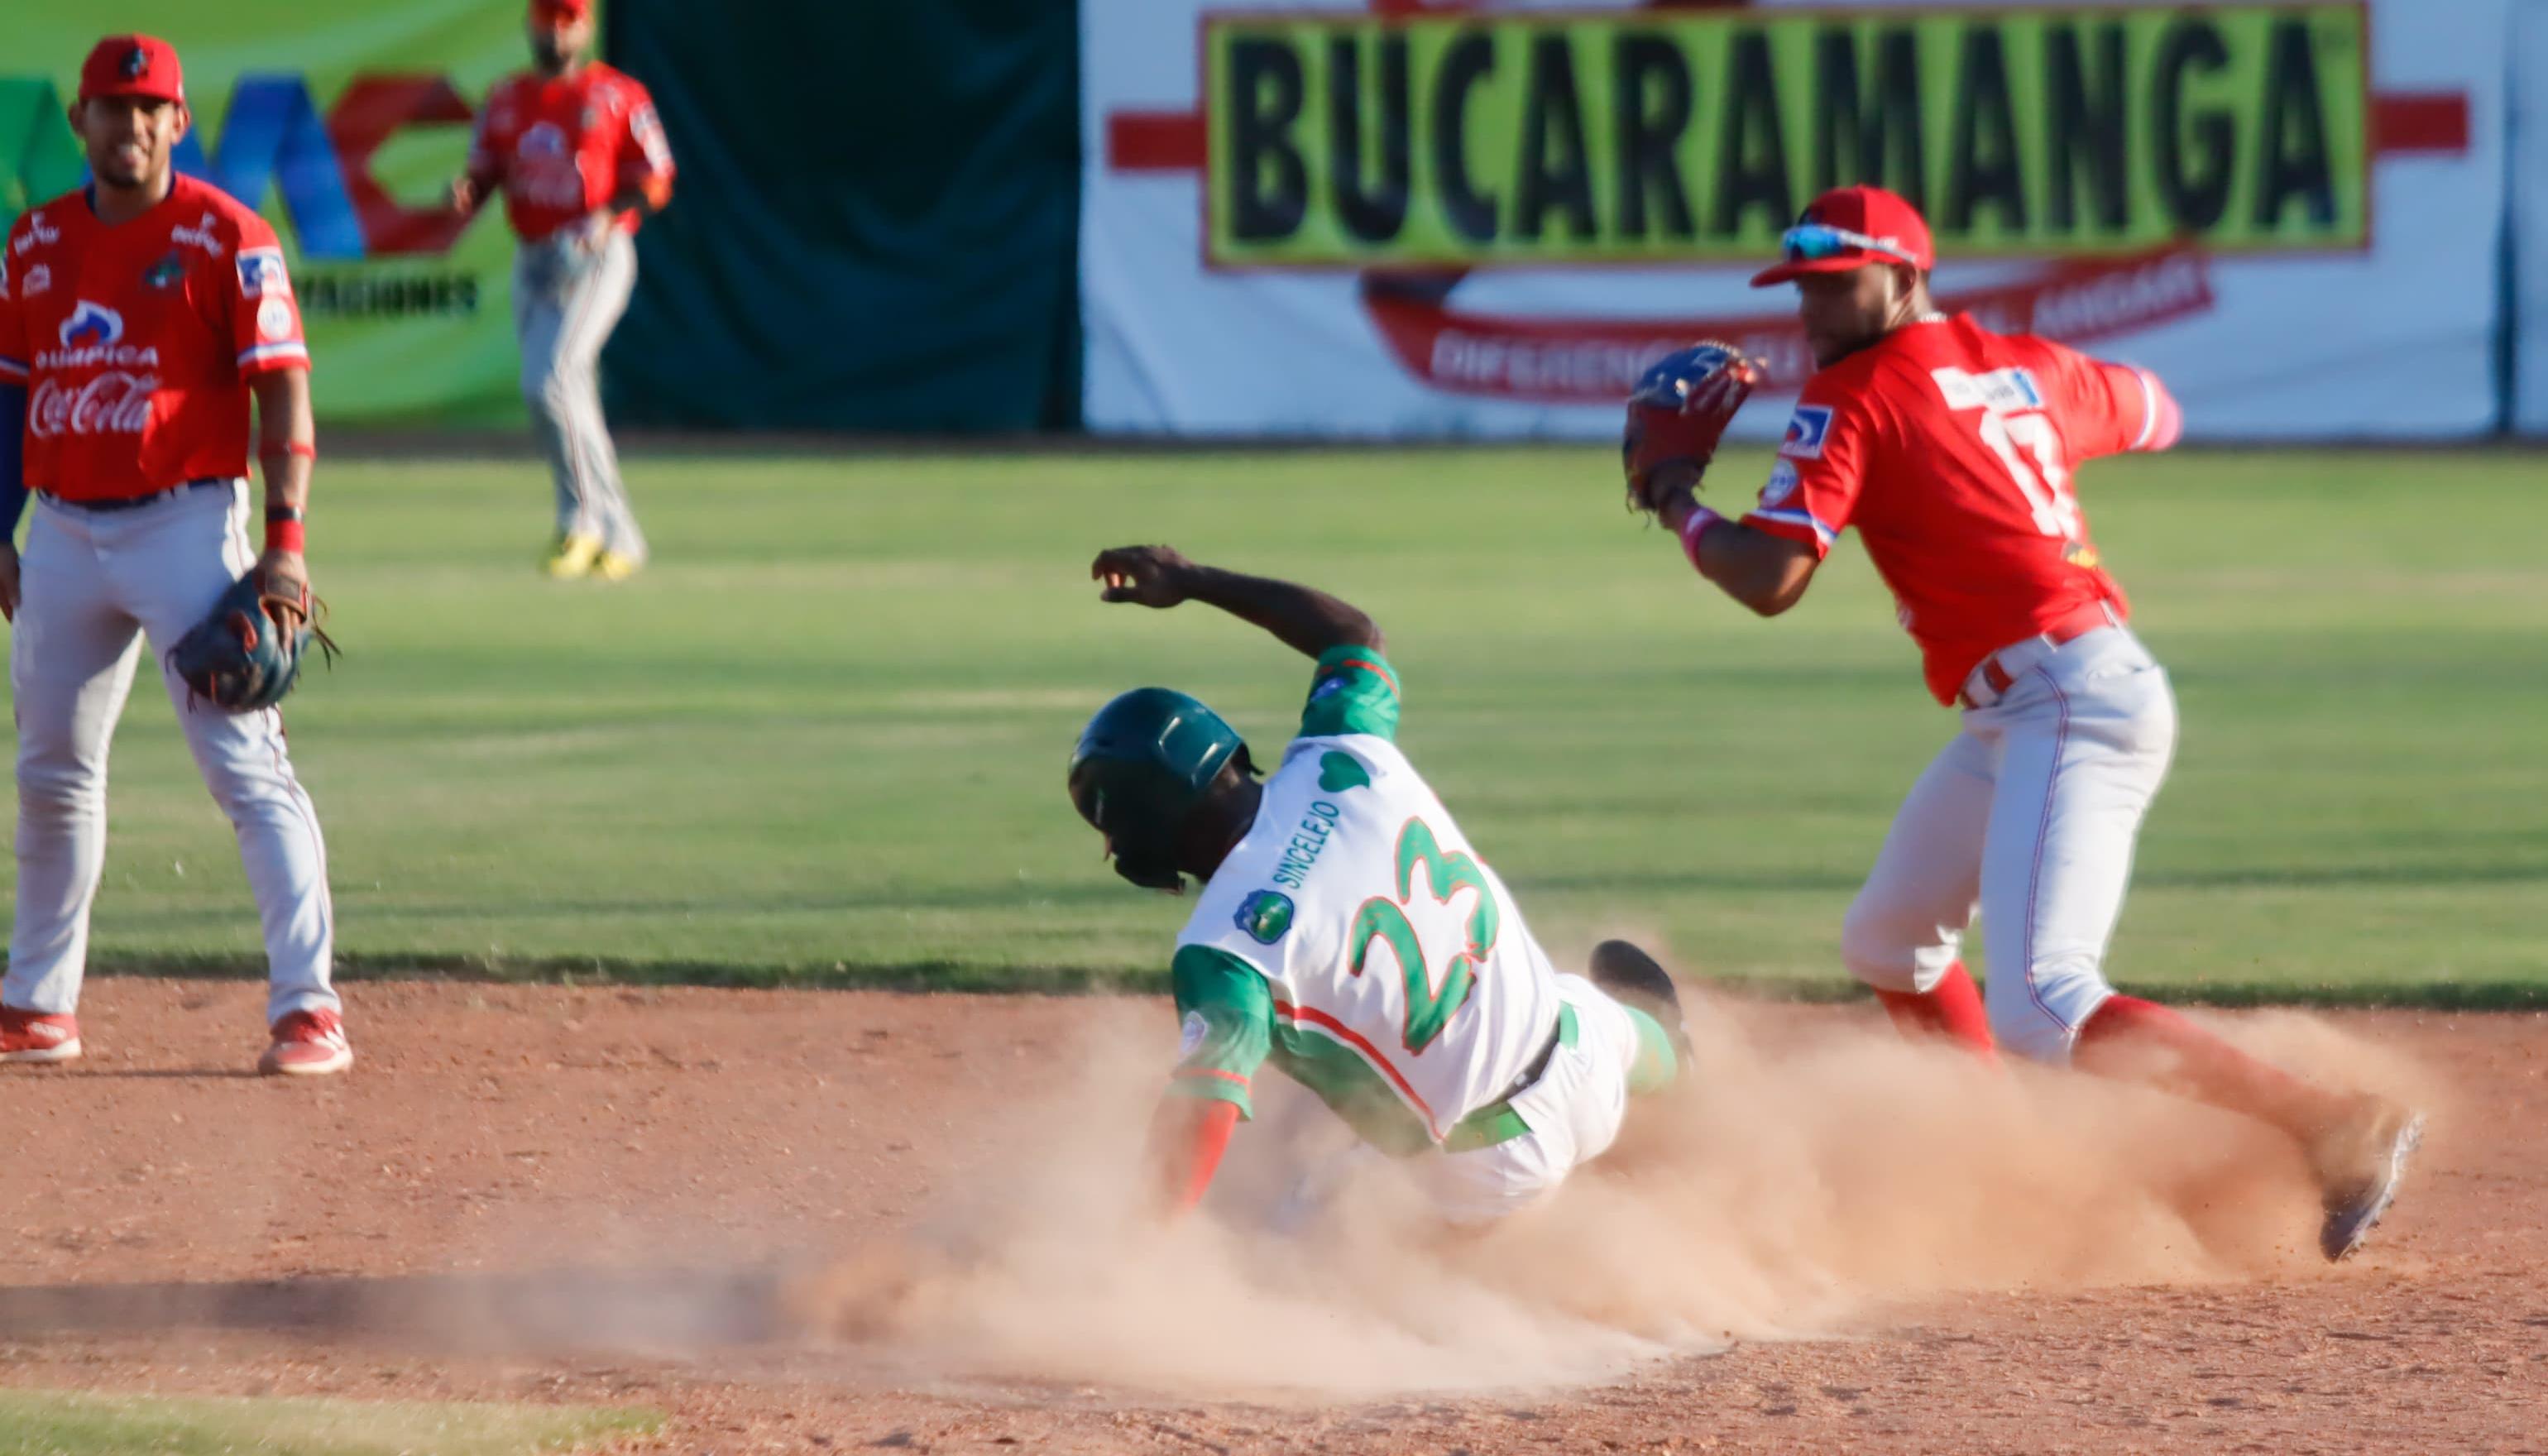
(1814, 1176)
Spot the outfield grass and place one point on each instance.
(823, 737)
(72, 1423)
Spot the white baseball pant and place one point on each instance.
(2027, 816)
(564, 308)
(1575, 1111)
(92, 585)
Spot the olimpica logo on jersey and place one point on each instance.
(91, 327)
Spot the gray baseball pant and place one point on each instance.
(565, 304)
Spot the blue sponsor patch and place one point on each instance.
(1806, 430)
(261, 275)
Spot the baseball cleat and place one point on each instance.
(38, 1038)
(306, 1043)
(1635, 978)
(2359, 1164)
(610, 566)
(572, 556)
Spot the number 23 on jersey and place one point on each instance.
(1430, 1001)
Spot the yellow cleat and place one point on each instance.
(572, 556)
(610, 566)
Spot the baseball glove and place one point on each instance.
(1680, 409)
(246, 654)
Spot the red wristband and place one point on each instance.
(303, 448)
(1700, 518)
(282, 535)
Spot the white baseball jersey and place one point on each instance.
(1355, 939)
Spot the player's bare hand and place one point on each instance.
(283, 578)
(464, 195)
(8, 581)
(1152, 576)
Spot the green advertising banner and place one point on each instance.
(1656, 136)
(343, 125)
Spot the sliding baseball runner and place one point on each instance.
(1347, 932)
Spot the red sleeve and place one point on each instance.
(14, 354)
(2108, 409)
(486, 166)
(1821, 467)
(645, 157)
(264, 317)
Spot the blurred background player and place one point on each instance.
(1463, 1050)
(581, 156)
(1950, 448)
(137, 316)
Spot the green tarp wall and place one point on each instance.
(875, 226)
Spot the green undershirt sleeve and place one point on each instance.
(1355, 690)
(1226, 1013)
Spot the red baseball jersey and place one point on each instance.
(562, 147)
(1950, 448)
(136, 341)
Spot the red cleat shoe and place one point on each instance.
(306, 1043)
(33, 1035)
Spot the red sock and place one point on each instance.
(2139, 1040)
(1953, 1010)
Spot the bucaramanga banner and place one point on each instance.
(343, 125)
(1430, 219)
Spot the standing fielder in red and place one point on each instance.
(140, 317)
(1950, 449)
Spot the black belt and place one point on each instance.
(128, 503)
(1538, 1067)
(1497, 1122)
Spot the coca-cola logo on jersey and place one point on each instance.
(112, 403)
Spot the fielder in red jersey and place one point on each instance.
(575, 149)
(562, 146)
(140, 341)
(1952, 450)
(140, 317)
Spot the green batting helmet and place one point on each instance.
(1141, 766)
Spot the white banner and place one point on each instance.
(1402, 220)
(2531, 217)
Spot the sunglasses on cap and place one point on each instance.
(1810, 242)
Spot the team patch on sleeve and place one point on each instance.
(1807, 428)
(1783, 481)
(262, 274)
(649, 132)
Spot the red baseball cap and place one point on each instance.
(1849, 228)
(132, 65)
(561, 8)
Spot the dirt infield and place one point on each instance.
(806, 1220)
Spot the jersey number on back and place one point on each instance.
(2045, 483)
(1429, 1006)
